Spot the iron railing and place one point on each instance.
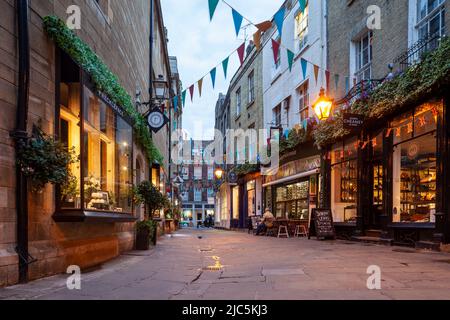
(362, 89)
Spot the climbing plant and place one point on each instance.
(103, 78)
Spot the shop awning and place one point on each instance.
(291, 178)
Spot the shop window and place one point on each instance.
(198, 195)
(102, 179)
(344, 181)
(236, 203)
(415, 165)
(301, 28)
(292, 201)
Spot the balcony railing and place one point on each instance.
(361, 90)
(416, 52)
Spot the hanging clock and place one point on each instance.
(157, 120)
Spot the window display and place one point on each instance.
(415, 166)
(292, 201)
(344, 181)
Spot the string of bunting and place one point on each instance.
(278, 20)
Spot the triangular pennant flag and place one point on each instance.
(264, 26)
(304, 64)
(213, 77)
(302, 4)
(212, 7)
(183, 96)
(257, 39)
(290, 56)
(316, 72)
(327, 78)
(241, 52)
(191, 91)
(237, 18)
(279, 19)
(336, 82)
(175, 103)
(276, 50)
(286, 133)
(225, 66)
(200, 86)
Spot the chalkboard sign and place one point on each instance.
(321, 225)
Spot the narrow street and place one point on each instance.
(182, 267)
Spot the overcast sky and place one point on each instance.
(200, 45)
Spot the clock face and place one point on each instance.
(157, 120)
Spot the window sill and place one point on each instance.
(250, 104)
(92, 216)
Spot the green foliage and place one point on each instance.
(147, 226)
(295, 138)
(44, 160)
(429, 77)
(146, 193)
(103, 78)
(244, 169)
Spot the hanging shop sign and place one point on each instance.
(157, 120)
(353, 121)
(322, 225)
(232, 178)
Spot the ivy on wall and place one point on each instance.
(429, 77)
(244, 169)
(104, 80)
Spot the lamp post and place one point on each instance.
(323, 105)
(219, 173)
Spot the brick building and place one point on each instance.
(57, 232)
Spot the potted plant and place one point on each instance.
(146, 193)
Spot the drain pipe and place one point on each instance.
(20, 134)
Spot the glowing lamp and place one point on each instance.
(323, 106)
(219, 173)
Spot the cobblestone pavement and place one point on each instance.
(183, 266)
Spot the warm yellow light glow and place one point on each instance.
(219, 173)
(125, 144)
(323, 106)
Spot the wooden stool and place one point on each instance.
(283, 232)
(300, 231)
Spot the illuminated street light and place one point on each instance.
(219, 173)
(323, 106)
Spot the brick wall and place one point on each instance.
(120, 37)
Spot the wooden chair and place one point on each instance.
(283, 229)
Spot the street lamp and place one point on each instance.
(219, 173)
(322, 107)
(160, 87)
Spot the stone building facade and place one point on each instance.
(119, 34)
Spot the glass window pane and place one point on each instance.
(124, 181)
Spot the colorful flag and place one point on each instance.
(304, 64)
(264, 26)
(276, 50)
(175, 103)
(241, 52)
(191, 91)
(225, 66)
(183, 95)
(327, 78)
(279, 19)
(213, 77)
(212, 7)
(237, 18)
(290, 56)
(302, 4)
(257, 39)
(316, 72)
(200, 86)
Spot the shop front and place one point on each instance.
(292, 192)
(390, 181)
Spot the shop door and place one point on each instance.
(251, 203)
(376, 196)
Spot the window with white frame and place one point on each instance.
(430, 18)
(238, 102)
(276, 112)
(251, 87)
(303, 102)
(210, 173)
(301, 28)
(364, 57)
(198, 173)
(198, 194)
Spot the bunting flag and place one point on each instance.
(286, 133)
(316, 72)
(257, 39)
(302, 4)
(327, 79)
(175, 103)
(290, 56)
(237, 18)
(200, 86)
(213, 77)
(276, 50)
(191, 91)
(241, 52)
(183, 96)
(304, 64)
(264, 26)
(212, 8)
(336, 81)
(225, 66)
(279, 19)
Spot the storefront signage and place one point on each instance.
(157, 120)
(321, 225)
(114, 106)
(294, 168)
(353, 121)
(232, 177)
